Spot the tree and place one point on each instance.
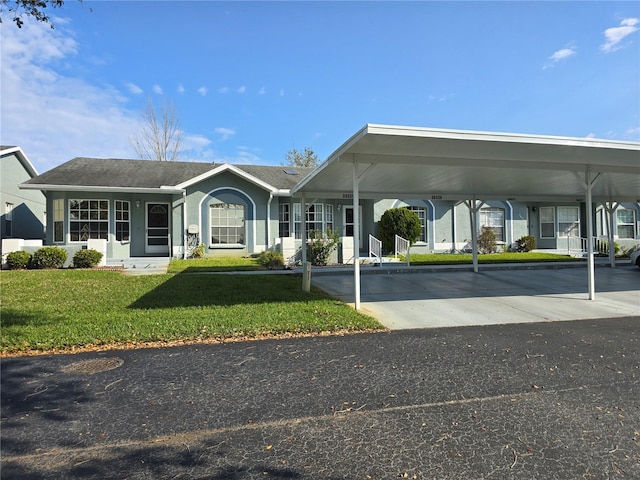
(398, 221)
(29, 8)
(160, 135)
(306, 158)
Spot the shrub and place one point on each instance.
(487, 240)
(319, 246)
(18, 260)
(271, 259)
(398, 221)
(526, 243)
(49, 257)
(198, 252)
(86, 258)
(603, 248)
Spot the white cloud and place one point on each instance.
(202, 91)
(613, 36)
(180, 88)
(53, 116)
(158, 90)
(134, 89)
(262, 91)
(223, 90)
(560, 55)
(242, 89)
(282, 93)
(225, 133)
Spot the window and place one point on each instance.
(315, 218)
(58, 220)
(422, 215)
(227, 224)
(494, 219)
(297, 220)
(568, 222)
(122, 221)
(328, 216)
(8, 219)
(626, 221)
(284, 225)
(319, 218)
(88, 219)
(547, 222)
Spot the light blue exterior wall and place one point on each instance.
(28, 205)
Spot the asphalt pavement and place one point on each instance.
(551, 400)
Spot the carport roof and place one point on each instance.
(413, 162)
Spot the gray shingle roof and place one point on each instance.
(120, 173)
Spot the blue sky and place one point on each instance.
(252, 80)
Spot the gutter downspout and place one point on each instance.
(510, 238)
(184, 224)
(269, 220)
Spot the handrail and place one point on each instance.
(375, 248)
(402, 245)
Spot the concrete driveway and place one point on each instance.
(448, 297)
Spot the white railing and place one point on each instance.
(579, 245)
(375, 248)
(402, 247)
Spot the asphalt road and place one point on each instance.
(555, 400)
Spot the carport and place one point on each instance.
(384, 161)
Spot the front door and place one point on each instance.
(157, 231)
(348, 222)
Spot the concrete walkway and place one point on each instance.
(499, 294)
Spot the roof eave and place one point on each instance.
(102, 189)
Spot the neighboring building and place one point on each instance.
(150, 208)
(23, 211)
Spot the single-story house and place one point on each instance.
(23, 211)
(151, 208)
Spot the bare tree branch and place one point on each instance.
(160, 135)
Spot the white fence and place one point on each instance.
(402, 247)
(375, 248)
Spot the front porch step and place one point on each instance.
(141, 265)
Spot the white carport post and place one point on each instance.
(610, 208)
(473, 207)
(303, 228)
(589, 209)
(356, 237)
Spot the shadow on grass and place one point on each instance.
(194, 290)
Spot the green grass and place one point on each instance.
(215, 264)
(467, 258)
(65, 309)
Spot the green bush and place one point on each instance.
(49, 257)
(86, 258)
(199, 251)
(487, 240)
(18, 260)
(526, 243)
(319, 246)
(398, 221)
(271, 259)
(603, 248)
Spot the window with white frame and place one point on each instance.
(493, 218)
(328, 217)
(547, 222)
(568, 222)
(626, 223)
(284, 220)
(8, 219)
(227, 224)
(58, 220)
(88, 219)
(123, 228)
(319, 217)
(422, 215)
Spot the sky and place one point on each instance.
(252, 80)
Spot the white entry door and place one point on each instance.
(348, 223)
(157, 228)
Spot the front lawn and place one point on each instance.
(48, 310)
(507, 257)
